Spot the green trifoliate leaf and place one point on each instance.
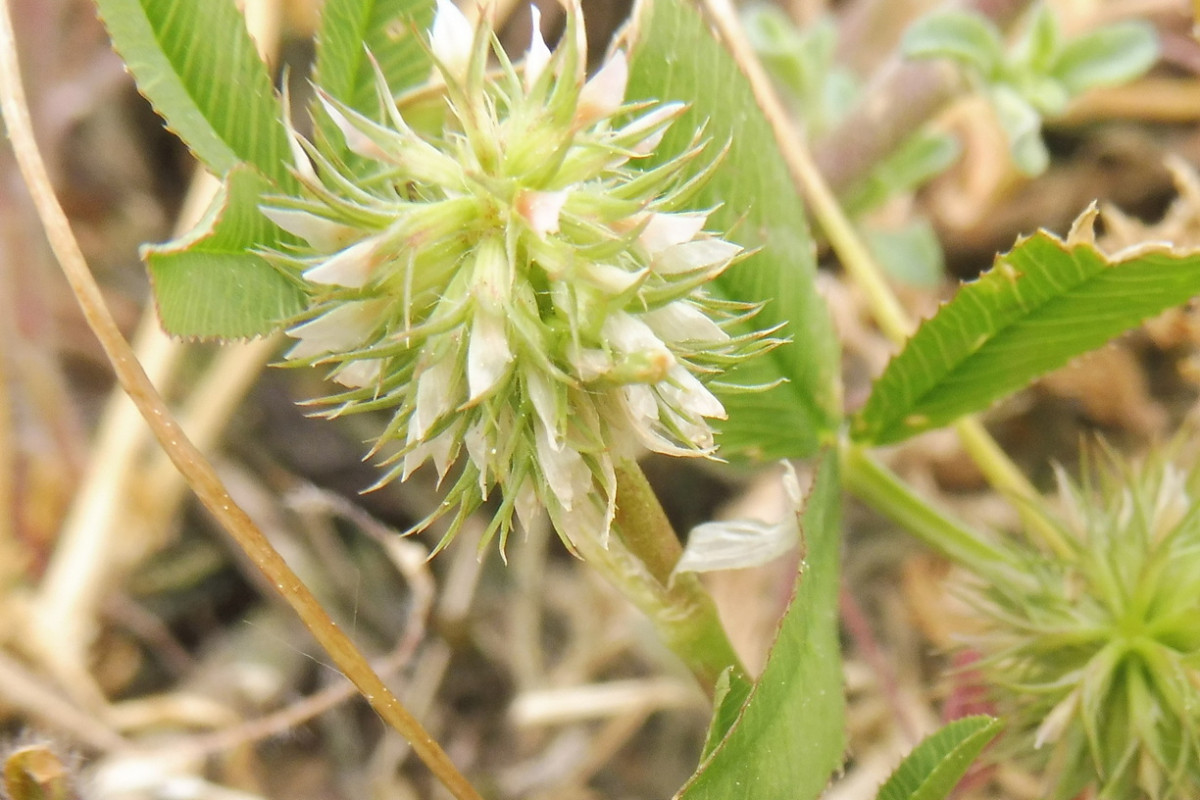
(210, 282)
(355, 31)
(1042, 304)
(820, 90)
(920, 157)
(783, 49)
(1109, 56)
(1022, 125)
(969, 38)
(936, 765)
(911, 254)
(197, 65)
(788, 736)
(1040, 74)
(1040, 42)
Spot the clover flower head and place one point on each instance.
(1095, 653)
(525, 300)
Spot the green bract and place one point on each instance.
(1098, 651)
(512, 285)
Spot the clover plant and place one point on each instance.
(537, 275)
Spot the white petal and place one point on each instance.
(344, 328)
(540, 209)
(527, 505)
(628, 334)
(605, 92)
(589, 363)
(695, 255)
(303, 163)
(687, 393)
(736, 544)
(681, 321)
(538, 55)
(357, 141)
(655, 124)
(492, 277)
(435, 397)
(665, 230)
(1057, 720)
(351, 268)
(642, 418)
(323, 234)
(640, 402)
(613, 280)
(542, 392)
(443, 448)
(451, 37)
(691, 429)
(652, 440)
(477, 449)
(488, 354)
(565, 472)
(359, 372)
(439, 449)
(584, 519)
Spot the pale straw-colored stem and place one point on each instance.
(11, 551)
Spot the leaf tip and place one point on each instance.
(1083, 229)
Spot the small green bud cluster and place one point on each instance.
(1095, 653)
(1040, 73)
(527, 304)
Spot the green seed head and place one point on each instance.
(1096, 655)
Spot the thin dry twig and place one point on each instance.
(410, 560)
(197, 471)
(601, 700)
(1162, 100)
(10, 549)
(23, 690)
